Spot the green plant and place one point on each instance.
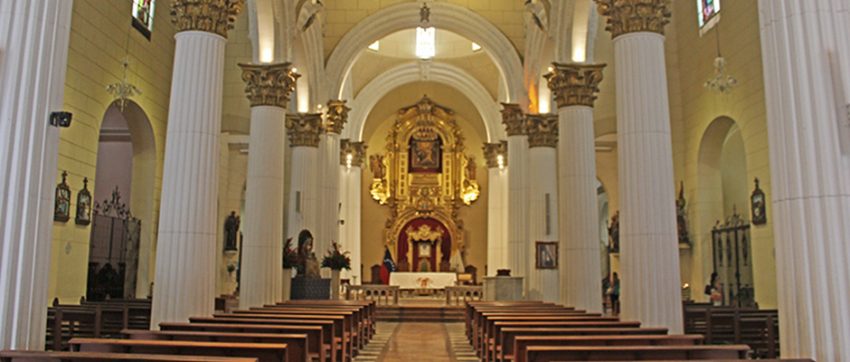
(336, 259)
(290, 256)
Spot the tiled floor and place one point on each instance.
(418, 342)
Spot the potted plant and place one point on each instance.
(336, 260)
(290, 258)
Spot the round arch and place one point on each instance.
(454, 18)
(442, 73)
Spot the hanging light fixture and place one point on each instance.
(124, 90)
(721, 82)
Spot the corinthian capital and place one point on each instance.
(337, 116)
(269, 84)
(304, 129)
(351, 153)
(575, 84)
(631, 16)
(542, 130)
(496, 154)
(211, 16)
(513, 119)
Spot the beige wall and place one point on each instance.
(378, 124)
(99, 32)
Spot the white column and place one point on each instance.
(575, 87)
(806, 55)
(34, 48)
(268, 88)
(514, 121)
(649, 254)
(329, 149)
(497, 211)
(303, 131)
(351, 169)
(186, 252)
(543, 283)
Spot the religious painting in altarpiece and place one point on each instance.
(424, 177)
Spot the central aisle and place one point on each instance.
(414, 342)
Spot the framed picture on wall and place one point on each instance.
(84, 204)
(547, 254)
(62, 204)
(758, 205)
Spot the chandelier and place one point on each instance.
(122, 91)
(721, 82)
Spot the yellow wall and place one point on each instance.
(739, 37)
(378, 124)
(99, 31)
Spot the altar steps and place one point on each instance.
(419, 314)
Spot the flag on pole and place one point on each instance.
(387, 267)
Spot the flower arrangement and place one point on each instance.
(336, 259)
(290, 256)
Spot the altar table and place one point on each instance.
(422, 280)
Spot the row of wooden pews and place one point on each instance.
(94, 319)
(758, 328)
(529, 331)
(302, 331)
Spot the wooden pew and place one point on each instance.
(41, 356)
(264, 352)
(317, 343)
(369, 308)
(480, 315)
(297, 344)
(341, 331)
(490, 349)
(634, 353)
(352, 323)
(508, 335)
(521, 343)
(329, 331)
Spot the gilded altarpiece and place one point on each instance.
(424, 177)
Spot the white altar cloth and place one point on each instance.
(422, 280)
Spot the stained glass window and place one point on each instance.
(143, 11)
(708, 10)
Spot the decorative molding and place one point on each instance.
(357, 150)
(269, 84)
(513, 119)
(337, 116)
(575, 84)
(304, 129)
(632, 16)
(211, 16)
(492, 151)
(542, 130)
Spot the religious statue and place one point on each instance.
(376, 165)
(231, 228)
(308, 265)
(470, 168)
(614, 233)
(682, 216)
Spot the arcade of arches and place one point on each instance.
(562, 140)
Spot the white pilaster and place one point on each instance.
(517, 191)
(806, 55)
(543, 284)
(262, 244)
(303, 131)
(649, 252)
(329, 213)
(349, 236)
(34, 48)
(497, 211)
(186, 250)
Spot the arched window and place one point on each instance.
(707, 13)
(143, 11)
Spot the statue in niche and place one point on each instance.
(682, 216)
(308, 265)
(231, 229)
(376, 165)
(614, 233)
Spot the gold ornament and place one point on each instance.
(632, 16)
(575, 84)
(351, 154)
(542, 130)
(337, 115)
(496, 154)
(513, 119)
(304, 129)
(211, 16)
(269, 84)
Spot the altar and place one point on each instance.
(422, 280)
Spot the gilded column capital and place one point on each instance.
(269, 84)
(513, 119)
(351, 153)
(496, 154)
(575, 84)
(211, 16)
(542, 130)
(631, 16)
(304, 129)
(337, 116)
